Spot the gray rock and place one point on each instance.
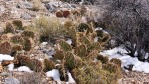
(26, 16)
(2, 8)
(11, 81)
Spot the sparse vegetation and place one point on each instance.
(49, 28)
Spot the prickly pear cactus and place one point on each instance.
(9, 28)
(81, 50)
(28, 43)
(18, 24)
(63, 73)
(28, 34)
(82, 27)
(35, 65)
(59, 54)
(65, 46)
(17, 39)
(5, 48)
(70, 61)
(94, 46)
(49, 64)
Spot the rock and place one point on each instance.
(11, 81)
(2, 8)
(26, 5)
(50, 8)
(4, 74)
(26, 16)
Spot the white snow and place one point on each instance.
(120, 53)
(24, 68)
(96, 39)
(69, 41)
(10, 67)
(70, 79)
(5, 57)
(54, 74)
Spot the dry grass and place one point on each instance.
(36, 5)
(49, 28)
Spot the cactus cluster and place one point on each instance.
(18, 24)
(5, 48)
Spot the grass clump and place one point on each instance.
(49, 28)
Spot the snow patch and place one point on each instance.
(5, 57)
(10, 67)
(54, 74)
(24, 68)
(120, 53)
(69, 41)
(70, 79)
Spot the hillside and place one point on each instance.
(74, 42)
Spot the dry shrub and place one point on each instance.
(49, 28)
(36, 5)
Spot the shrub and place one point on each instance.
(127, 22)
(36, 5)
(49, 28)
